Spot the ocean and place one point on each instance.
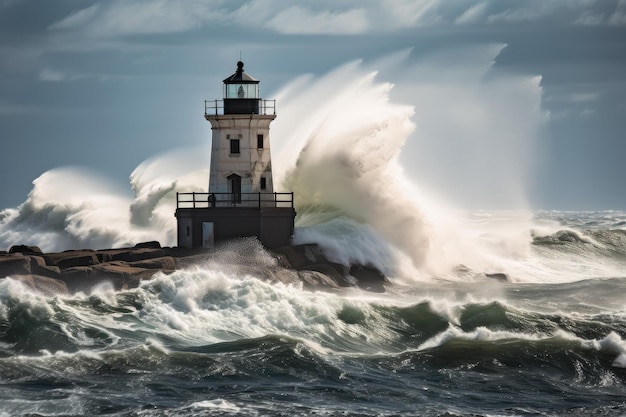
(489, 312)
(207, 341)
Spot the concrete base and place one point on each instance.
(203, 227)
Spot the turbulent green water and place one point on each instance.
(208, 341)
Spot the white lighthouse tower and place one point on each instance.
(241, 201)
(240, 152)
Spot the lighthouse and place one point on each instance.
(240, 151)
(241, 201)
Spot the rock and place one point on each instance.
(369, 278)
(82, 270)
(69, 259)
(331, 271)
(26, 250)
(104, 256)
(314, 280)
(498, 276)
(131, 255)
(16, 264)
(299, 256)
(188, 261)
(121, 274)
(79, 278)
(165, 263)
(44, 285)
(38, 266)
(285, 276)
(148, 245)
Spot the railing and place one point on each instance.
(206, 200)
(263, 107)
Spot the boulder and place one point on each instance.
(14, 265)
(69, 259)
(369, 278)
(79, 278)
(104, 256)
(188, 261)
(149, 245)
(299, 256)
(130, 254)
(498, 276)
(121, 274)
(26, 250)
(44, 285)
(285, 276)
(164, 263)
(332, 271)
(82, 270)
(314, 280)
(38, 266)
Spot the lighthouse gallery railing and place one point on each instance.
(207, 200)
(255, 106)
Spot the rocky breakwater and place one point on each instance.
(124, 268)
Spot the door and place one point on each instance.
(185, 232)
(234, 188)
(208, 235)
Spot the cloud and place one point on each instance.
(587, 113)
(268, 14)
(573, 98)
(48, 74)
(9, 108)
(618, 18)
(589, 19)
(77, 19)
(7, 3)
(603, 13)
(406, 13)
(472, 15)
(297, 20)
(583, 97)
(120, 18)
(527, 11)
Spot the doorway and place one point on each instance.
(234, 188)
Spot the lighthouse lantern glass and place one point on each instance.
(240, 90)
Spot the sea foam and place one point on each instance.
(338, 144)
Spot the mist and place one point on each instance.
(385, 159)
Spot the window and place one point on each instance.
(259, 141)
(263, 183)
(234, 146)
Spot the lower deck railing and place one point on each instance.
(206, 200)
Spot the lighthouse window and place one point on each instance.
(234, 146)
(259, 141)
(263, 183)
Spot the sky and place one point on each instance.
(537, 87)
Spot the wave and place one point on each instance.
(225, 335)
(212, 328)
(582, 253)
(611, 240)
(213, 304)
(343, 157)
